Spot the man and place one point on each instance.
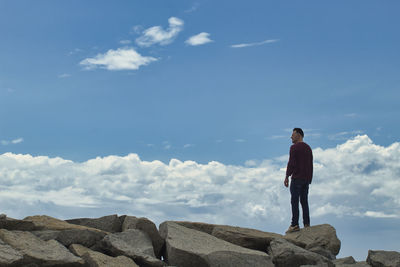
(300, 167)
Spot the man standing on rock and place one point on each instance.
(300, 167)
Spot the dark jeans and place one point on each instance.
(299, 191)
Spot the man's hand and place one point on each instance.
(286, 182)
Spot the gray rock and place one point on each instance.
(13, 224)
(199, 226)
(284, 253)
(37, 251)
(347, 260)
(9, 256)
(147, 226)
(356, 264)
(321, 238)
(188, 247)
(44, 222)
(85, 237)
(324, 252)
(378, 258)
(245, 237)
(110, 223)
(132, 243)
(97, 259)
(46, 234)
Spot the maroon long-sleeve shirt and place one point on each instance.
(300, 165)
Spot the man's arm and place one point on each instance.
(312, 166)
(290, 166)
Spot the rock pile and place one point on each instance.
(127, 241)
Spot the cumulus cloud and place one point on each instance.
(157, 35)
(254, 44)
(199, 39)
(356, 178)
(120, 59)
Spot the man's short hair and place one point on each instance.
(299, 131)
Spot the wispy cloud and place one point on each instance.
(344, 135)
(351, 115)
(254, 44)
(273, 137)
(199, 39)
(157, 35)
(125, 42)
(239, 140)
(188, 145)
(120, 59)
(167, 145)
(193, 8)
(75, 51)
(13, 142)
(378, 214)
(137, 29)
(64, 75)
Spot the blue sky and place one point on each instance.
(202, 81)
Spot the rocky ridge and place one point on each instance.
(130, 241)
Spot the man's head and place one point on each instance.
(297, 135)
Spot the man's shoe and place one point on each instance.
(306, 225)
(292, 229)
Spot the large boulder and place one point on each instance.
(245, 237)
(320, 239)
(132, 243)
(356, 264)
(347, 260)
(14, 224)
(43, 222)
(97, 259)
(9, 256)
(199, 226)
(85, 237)
(147, 226)
(110, 223)
(188, 247)
(37, 251)
(284, 254)
(380, 258)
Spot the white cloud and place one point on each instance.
(15, 141)
(125, 42)
(344, 135)
(137, 29)
(199, 39)
(356, 179)
(194, 7)
(75, 51)
(351, 115)
(377, 214)
(254, 44)
(157, 35)
(188, 145)
(64, 75)
(120, 59)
